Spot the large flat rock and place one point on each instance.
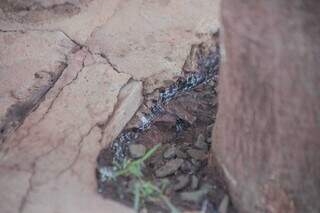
(48, 165)
(150, 40)
(72, 74)
(77, 18)
(31, 62)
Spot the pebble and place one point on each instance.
(190, 168)
(195, 196)
(209, 140)
(194, 182)
(169, 167)
(210, 129)
(170, 152)
(186, 167)
(223, 207)
(197, 154)
(201, 144)
(196, 165)
(137, 150)
(200, 138)
(181, 154)
(182, 182)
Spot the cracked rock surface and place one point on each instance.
(54, 150)
(77, 18)
(27, 73)
(150, 40)
(72, 74)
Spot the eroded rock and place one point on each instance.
(27, 74)
(60, 140)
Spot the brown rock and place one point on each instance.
(182, 182)
(170, 152)
(169, 168)
(267, 135)
(137, 150)
(197, 154)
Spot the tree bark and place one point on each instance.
(267, 134)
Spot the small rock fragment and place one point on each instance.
(194, 182)
(223, 207)
(169, 168)
(209, 129)
(200, 138)
(186, 167)
(196, 165)
(181, 154)
(170, 152)
(201, 144)
(195, 196)
(209, 140)
(182, 182)
(197, 154)
(137, 150)
(191, 168)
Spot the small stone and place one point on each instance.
(201, 138)
(169, 168)
(196, 165)
(170, 152)
(137, 150)
(201, 144)
(223, 207)
(190, 168)
(194, 182)
(182, 182)
(186, 166)
(144, 210)
(210, 129)
(181, 154)
(196, 162)
(195, 196)
(209, 140)
(197, 154)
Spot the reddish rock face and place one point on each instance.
(267, 137)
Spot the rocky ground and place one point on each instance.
(72, 74)
(182, 132)
(179, 166)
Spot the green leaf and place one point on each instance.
(150, 152)
(136, 203)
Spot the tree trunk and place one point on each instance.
(267, 134)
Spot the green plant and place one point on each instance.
(143, 190)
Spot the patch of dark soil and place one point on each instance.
(184, 130)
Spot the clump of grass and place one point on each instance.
(142, 189)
